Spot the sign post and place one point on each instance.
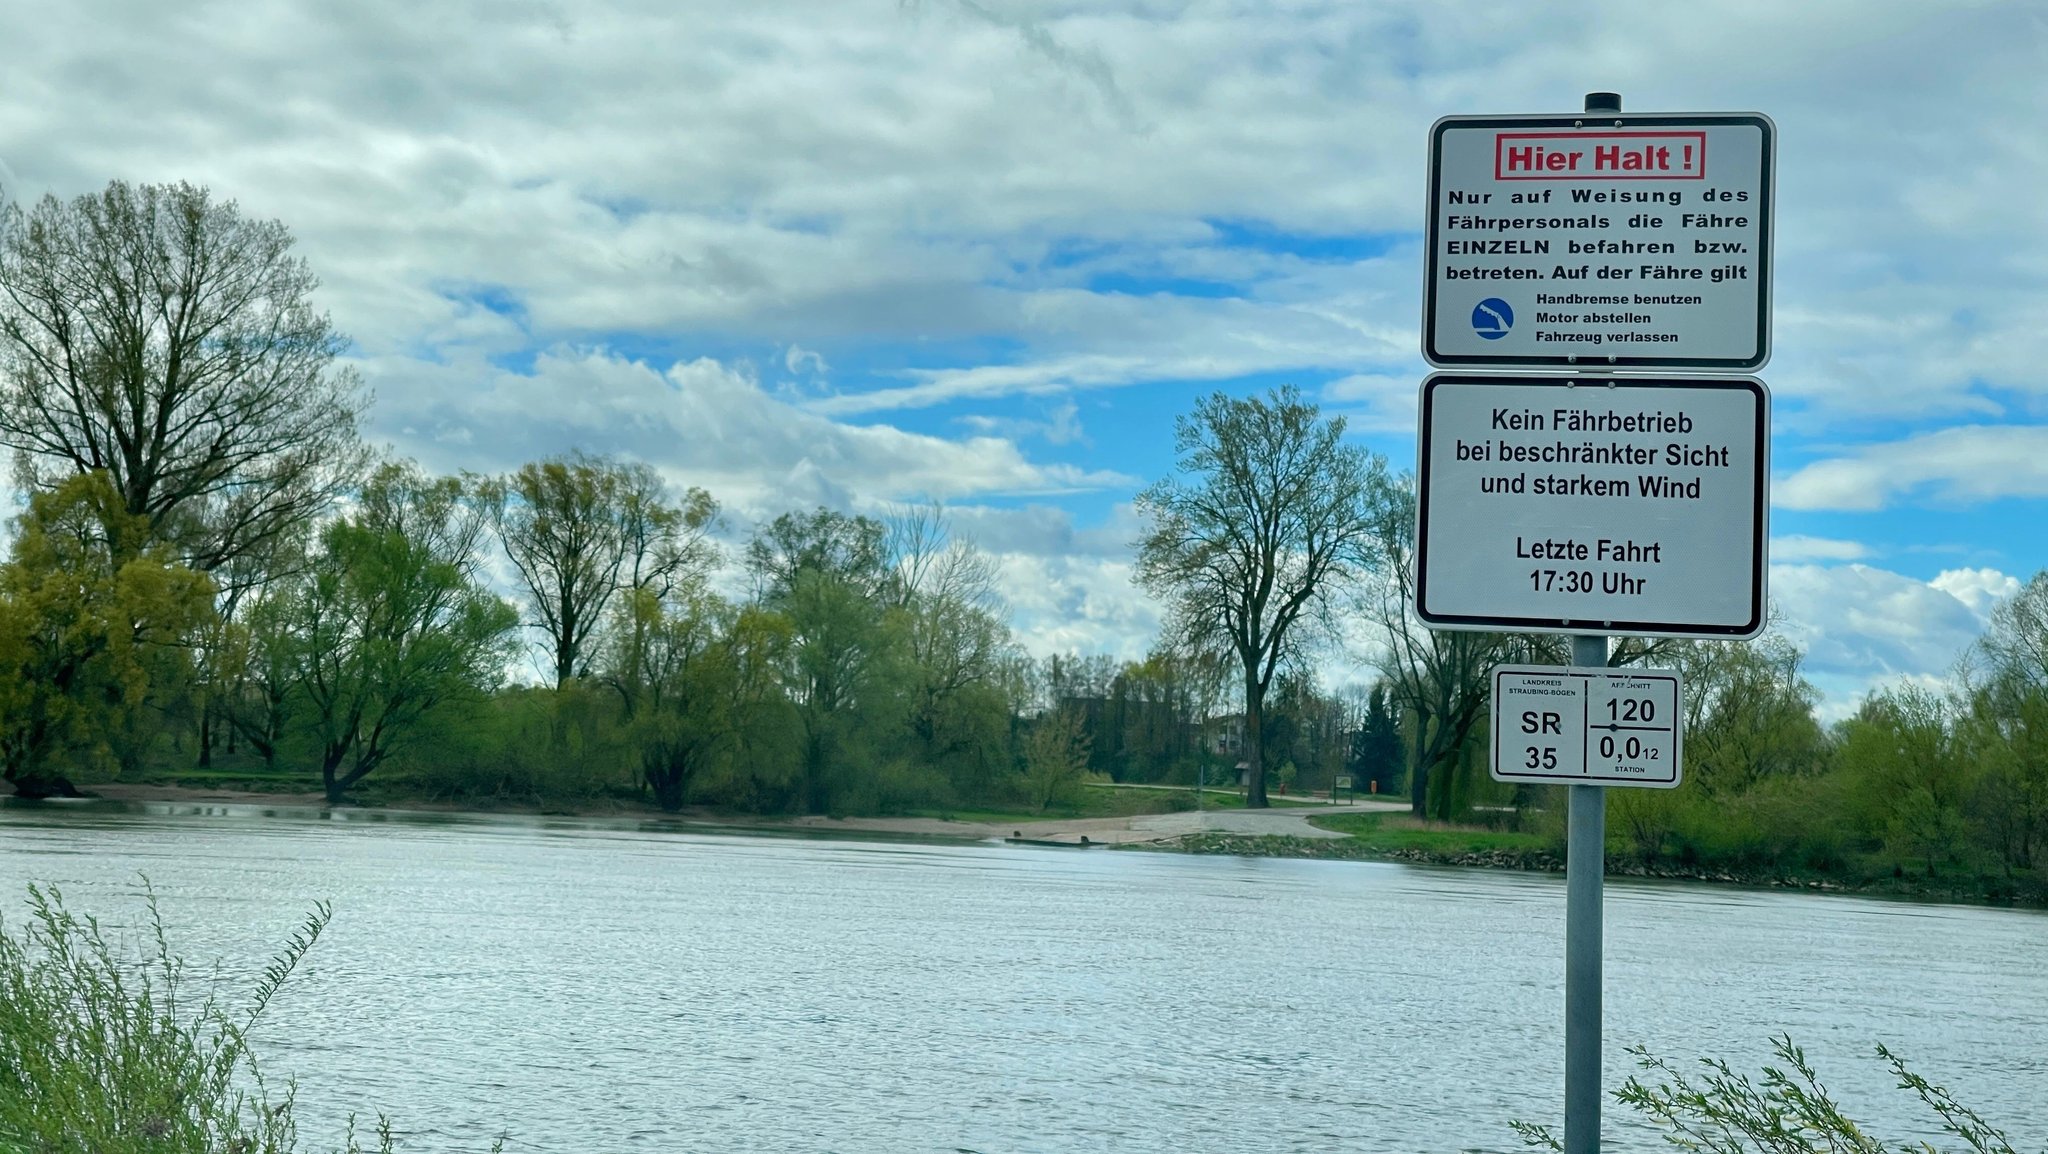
(1585, 867)
(1595, 505)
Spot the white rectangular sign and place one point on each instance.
(1618, 505)
(1600, 239)
(1587, 726)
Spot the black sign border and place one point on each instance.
(1759, 514)
(1766, 216)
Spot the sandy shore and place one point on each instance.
(1062, 831)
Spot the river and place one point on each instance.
(610, 986)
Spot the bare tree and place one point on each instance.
(1442, 679)
(578, 529)
(160, 336)
(1275, 514)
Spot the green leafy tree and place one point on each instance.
(392, 624)
(850, 549)
(1908, 776)
(2005, 730)
(1055, 759)
(844, 667)
(760, 773)
(844, 670)
(1270, 516)
(1159, 707)
(1748, 713)
(158, 336)
(959, 648)
(89, 627)
(580, 529)
(264, 662)
(686, 690)
(2005, 734)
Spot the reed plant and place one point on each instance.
(1721, 1111)
(105, 1051)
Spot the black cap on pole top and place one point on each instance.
(1603, 102)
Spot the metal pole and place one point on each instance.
(1585, 863)
(1584, 867)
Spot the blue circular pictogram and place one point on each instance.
(1492, 318)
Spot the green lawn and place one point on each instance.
(1098, 800)
(252, 780)
(1398, 831)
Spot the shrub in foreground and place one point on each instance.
(101, 1054)
(1789, 1113)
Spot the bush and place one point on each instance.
(104, 1056)
(1791, 1113)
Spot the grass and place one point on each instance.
(1104, 800)
(1398, 832)
(252, 780)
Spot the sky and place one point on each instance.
(861, 253)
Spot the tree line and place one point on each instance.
(211, 569)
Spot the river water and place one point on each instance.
(592, 986)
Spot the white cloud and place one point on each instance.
(702, 423)
(1956, 465)
(1080, 603)
(1980, 589)
(1061, 424)
(1861, 626)
(1373, 403)
(1798, 547)
(798, 359)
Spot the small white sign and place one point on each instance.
(1617, 505)
(1575, 726)
(1600, 239)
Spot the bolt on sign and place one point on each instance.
(1600, 239)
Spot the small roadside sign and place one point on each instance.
(1573, 726)
(1600, 239)
(1615, 505)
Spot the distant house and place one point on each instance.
(1223, 735)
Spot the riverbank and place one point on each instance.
(1370, 830)
(1968, 889)
(1105, 815)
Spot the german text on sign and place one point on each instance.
(1574, 241)
(1619, 505)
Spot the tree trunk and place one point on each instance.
(1254, 742)
(330, 760)
(206, 733)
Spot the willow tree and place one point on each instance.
(1270, 516)
(158, 336)
(393, 622)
